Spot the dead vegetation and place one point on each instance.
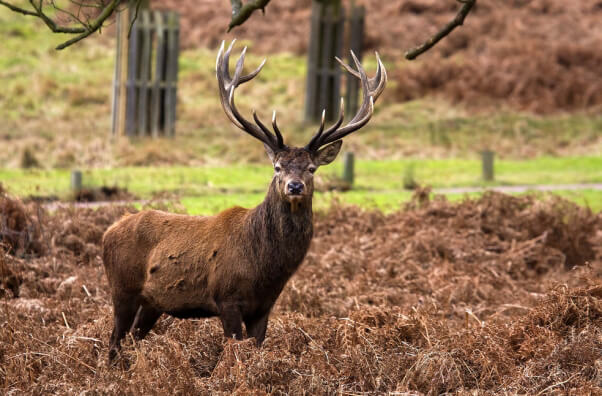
(103, 193)
(8, 280)
(20, 232)
(491, 295)
(535, 55)
(539, 56)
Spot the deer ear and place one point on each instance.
(326, 155)
(270, 152)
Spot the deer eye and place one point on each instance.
(312, 169)
(277, 168)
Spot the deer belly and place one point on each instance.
(179, 288)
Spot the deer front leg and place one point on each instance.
(231, 318)
(256, 327)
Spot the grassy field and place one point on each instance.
(379, 184)
(387, 201)
(371, 175)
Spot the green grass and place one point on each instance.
(142, 181)
(379, 184)
(211, 204)
(371, 175)
(389, 174)
(386, 202)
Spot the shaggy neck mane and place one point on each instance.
(279, 237)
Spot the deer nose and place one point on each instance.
(295, 187)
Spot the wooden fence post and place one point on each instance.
(487, 158)
(348, 168)
(120, 76)
(132, 71)
(76, 181)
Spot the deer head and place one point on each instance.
(294, 167)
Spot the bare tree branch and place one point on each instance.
(50, 23)
(447, 29)
(73, 16)
(240, 12)
(94, 26)
(138, 5)
(85, 28)
(87, 5)
(17, 9)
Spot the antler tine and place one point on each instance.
(352, 126)
(339, 122)
(250, 76)
(277, 130)
(224, 84)
(239, 65)
(226, 62)
(228, 84)
(223, 64)
(376, 83)
(311, 146)
(244, 124)
(279, 140)
(263, 128)
(219, 55)
(314, 143)
(372, 88)
(365, 87)
(347, 67)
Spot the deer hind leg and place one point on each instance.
(124, 314)
(231, 321)
(256, 327)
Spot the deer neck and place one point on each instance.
(283, 220)
(281, 233)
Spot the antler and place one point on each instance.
(372, 88)
(228, 84)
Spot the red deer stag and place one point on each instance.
(235, 264)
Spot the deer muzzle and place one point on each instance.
(295, 187)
